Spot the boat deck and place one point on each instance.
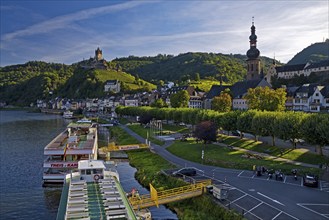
(84, 141)
(93, 200)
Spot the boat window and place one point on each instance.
(97, 171)
(88, 172)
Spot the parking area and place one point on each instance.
(253, 208)
(287, 179)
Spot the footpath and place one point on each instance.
(325, 175)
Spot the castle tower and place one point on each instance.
(253, 62)
(98, 54)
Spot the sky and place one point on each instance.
(69, 31)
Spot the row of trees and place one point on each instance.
(314, 128)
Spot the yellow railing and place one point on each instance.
(156, 198)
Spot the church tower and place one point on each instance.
(253, 61)
(98, 54)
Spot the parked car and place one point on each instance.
(186, 171)
(310, 180)
(237, 133)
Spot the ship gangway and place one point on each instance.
(156, 198)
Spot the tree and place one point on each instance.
(197, 77)
(244, 122)
(145, 118)
(180, 99)
(315, 130)
(287, 126)
(206, 131)
(222, 103)
(266, 99)
(263, 124)
(159, 103)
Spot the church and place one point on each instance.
(255, 78)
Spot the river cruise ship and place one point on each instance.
(94, 192)
(77, 142)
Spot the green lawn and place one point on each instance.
(205, 84)
(224, 157)
(121, 137)
(175, 128)
(300, 155)
(123, 121)
(140, 130)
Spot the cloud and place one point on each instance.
(65, 21)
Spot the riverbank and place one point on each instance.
(148, 167)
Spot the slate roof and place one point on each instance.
(112, 82)
(307, 88)
(239, 89)
(215, 91)
(289, 68)
(322, 63)
(325, 91)
(291, 90)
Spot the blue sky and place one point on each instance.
(69, 31)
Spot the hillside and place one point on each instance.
(313, 53)
(24, 84)
(168, 67)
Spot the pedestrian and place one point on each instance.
(254, 168)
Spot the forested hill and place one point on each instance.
(313, 53)
(169, 67)
(24, 84)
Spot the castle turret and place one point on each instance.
(253, 62)
(98, 54)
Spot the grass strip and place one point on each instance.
(141, 131)
(121, 137)
(300, 155)
(225, 157)
(149, 166)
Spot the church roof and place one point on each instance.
(239, 89)
(289, 68)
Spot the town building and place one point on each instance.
(311, 98)
(290, 71)
(112, 86)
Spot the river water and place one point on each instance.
(23, 137)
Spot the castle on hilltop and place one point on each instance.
(97, 62)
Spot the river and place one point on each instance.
(23, 137)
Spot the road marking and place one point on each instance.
(253, 208)
(302, 205)
(277, 215)
(241, 172)
(276, 201)
(238, 198)
(273, 207)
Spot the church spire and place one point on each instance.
(253, 62)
